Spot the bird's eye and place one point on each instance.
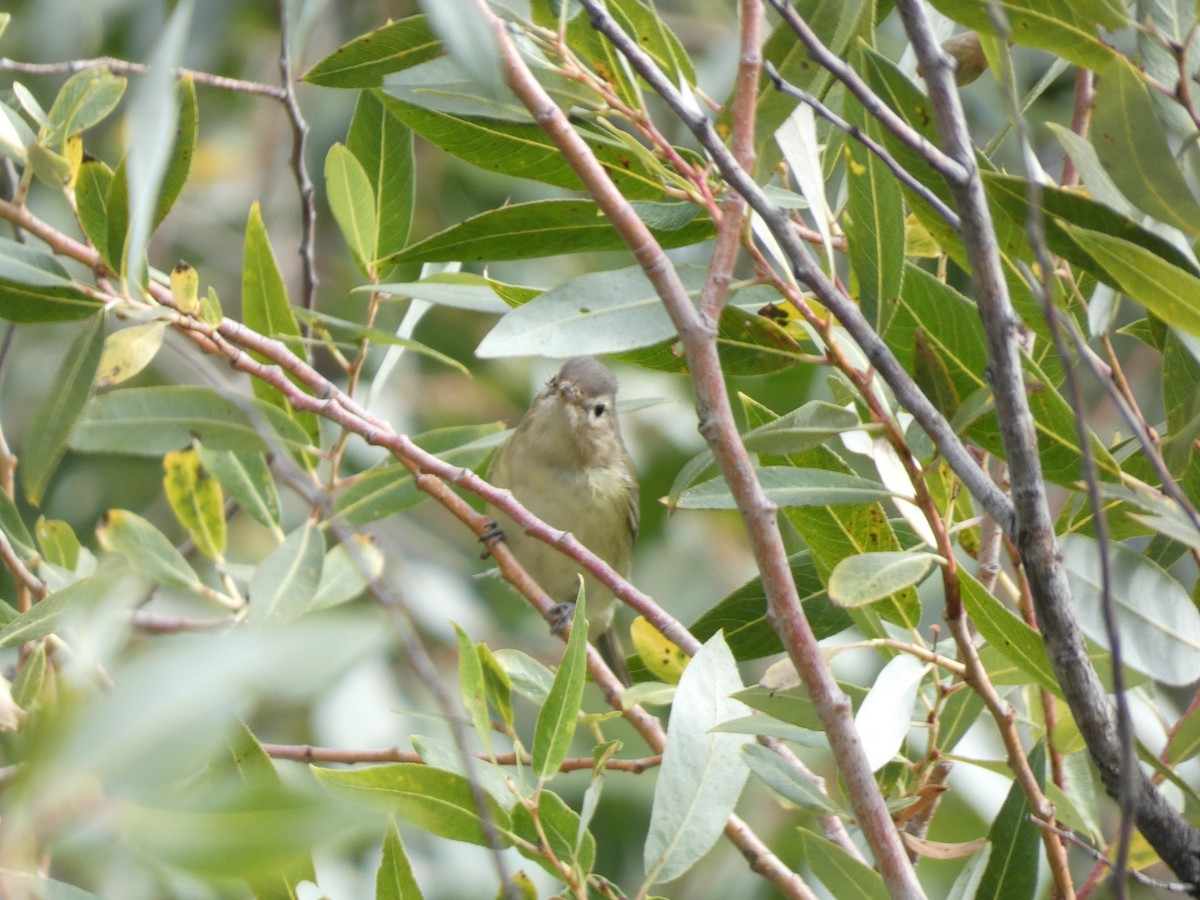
(599, 409)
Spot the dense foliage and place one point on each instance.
(929, 275)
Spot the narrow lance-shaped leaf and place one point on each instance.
(549, 228)
(183, 149)
(384, 146)
(153, 116)
(265, 306)
(285, 583)
(364, 61)
(247, 478)
(1133, 149)
(1012, 868)
(470, 685)
(352, 199)
(394, 879)
(43, 617)
(147, 550)
(197, 501)
(702, 772)
(438, 801)
(48, 435)
(556, 721)
(839, 871)
(156, 420)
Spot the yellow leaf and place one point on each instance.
(663, 658)
(197, 500)
(128, 351)
(185, 288)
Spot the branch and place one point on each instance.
(305, 753)
(124, 67)
(914, 185)
(944, 164)
(717, 424)
(1168, 832)
(299, 164)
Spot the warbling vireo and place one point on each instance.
(566, 463)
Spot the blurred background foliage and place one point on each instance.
(362, 694)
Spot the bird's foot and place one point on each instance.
(492, 534)
(560, 617)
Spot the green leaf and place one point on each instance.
(595, 313)
(875, 230)
(497, 685)
(869, 577)
(839, 871)
(147, 550)
(14, 528)
(470, 686)
(252, 771)
(60, 546)
(563, 830)
(1166, 290)
(197, 501)
(43, 617)
(28, 683)
(346, 570)
(1134, 151)
(265, 309)
(1012, 868)
(783, 778)
(794, 432)
(92, 185)
(364, 61)
(394, 879)
(461, 290)
(116, 204)
(30, 303)
(702, 773)
(1062, 26)
(85, 99)
(154, 118)
(156, 420)
(285, 583)
(742, 616)
(247, 478)
(523, 150)
(790, 487)
(1184, 743)
(352, 199)
(536, 229)
(47, 439)
(556, 720)
(438, 801)
(179, 163)
(21, 263)
(1153, 610)
(1009, 635)
(376, 336)
(383, 145)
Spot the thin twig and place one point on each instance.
(954, 171)
(1173, 887)
(867, 141)
(299, 164)
(719, 429)
(124, 67)
(1170, 834)
(305, 753)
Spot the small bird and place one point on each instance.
(567, 464)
